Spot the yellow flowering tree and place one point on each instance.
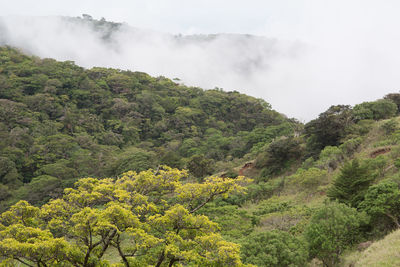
(146, 218)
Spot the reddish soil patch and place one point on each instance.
(380, 151)
(246, 166)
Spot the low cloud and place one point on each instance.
(300, 79)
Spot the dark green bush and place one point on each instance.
(275, 249)
(332, 229)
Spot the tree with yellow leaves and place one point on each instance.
(146, 218)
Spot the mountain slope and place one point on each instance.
(60, 122)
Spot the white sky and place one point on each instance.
(176, 16)
(356, 42)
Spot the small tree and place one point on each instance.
(333, 228)
(350, 186)
(383, 199)
(395, 97)
(390, 126)
(377, 110)
(328, 129)
(279, 154)
(200, 166)
(308, 179)
(275, 248)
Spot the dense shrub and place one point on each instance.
(376, 110)
(330, 157)
(307, 179)
(333, 228)
(279, 154)
(275, 249)
(383, 199)
(390, 126)
(328, 129)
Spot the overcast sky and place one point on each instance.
(176, 16)
(355, 43)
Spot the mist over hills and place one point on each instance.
(300, 77)
(250, 64)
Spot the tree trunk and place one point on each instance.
(124, 259)
(160, 259)
(394, 219)
(172, 261)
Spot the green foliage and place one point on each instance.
(135, 159)
(383, 199)
(308, 179)
(376, 110)
(200, 166)
(41, 189)
(263, 190)
(261, 136)
(4, 192)
(172, 159)
(271, 205)
(361, 127)
(275, 248)
(59, 169)
(149, 218)
(8, 172)
(378, 165)
(279, 154)
(330, 157)
(333, 228)
(258, 191)
(351, 184)
(390, 126)
(395, 98)
(350, 146)
(224, 214)
(328, 129)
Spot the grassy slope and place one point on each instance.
(385, 252)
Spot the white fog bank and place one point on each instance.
(300, 78)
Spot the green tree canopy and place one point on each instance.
(383, 199)
(376, 110)
(328, 128)
(279, 154)
(351, 184)
(333, 228)
(275, 248)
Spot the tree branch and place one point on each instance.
(106, 242)
(211, 197)
(21, 261)
(394, 219)
(160, 259)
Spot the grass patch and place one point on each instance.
(385, 253)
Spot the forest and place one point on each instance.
(109, 167)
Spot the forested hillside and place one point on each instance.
(60, 122)
(258, 189)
